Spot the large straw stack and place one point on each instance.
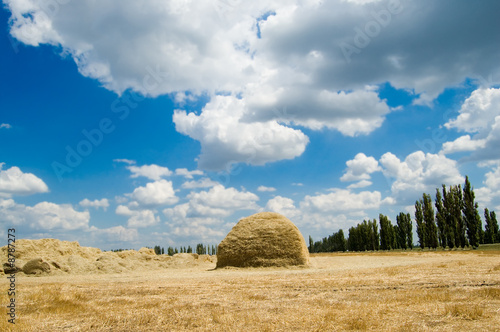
(263, 239)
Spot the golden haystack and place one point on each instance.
(263, 239)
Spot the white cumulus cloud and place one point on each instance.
(489, 195)
(14, 182)
(220, 202)
(44, 216)
(155, 193)
(360, 168)
(478, 112)
(264, 189)
(355, 113)
(138, 218)
(186, 173)
(342, 200)
(360, 184)
(284, 206)
(463, 144)
(225, 139)
(102, 203)
(201, 183)
(152, 172)
(418, 173)
(480, 116)
(116, 233)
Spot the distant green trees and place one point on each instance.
(334, 242)
(441, 219)
(451, 221)
(200, 249)
(458, 221)
(159, 250)
(364, 236)
(426, 225)
(451, 215)
(491, 233)
(404, 231)
(471, 215)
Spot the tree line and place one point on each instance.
(200, 249)
(451, 221)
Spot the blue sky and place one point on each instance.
(129, 125)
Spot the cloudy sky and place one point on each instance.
(136, 123)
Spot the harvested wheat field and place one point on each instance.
(401, 291)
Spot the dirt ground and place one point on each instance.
(404, 291)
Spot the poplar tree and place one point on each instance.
(393, 236)
(374, 235)
(386, 232)
(405, 230)
(449, 220)
(401, 234)
(352, 240)
(491, 227)
(441, 219)
(461, 240)
(419, 221)
(337, 242)
(364, 234)
(409, 231)
(453, 203)
(480, 231)
(471, 214)
(430, 225)
(340, 241)
(494, 227)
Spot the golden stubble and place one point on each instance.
(438, 291)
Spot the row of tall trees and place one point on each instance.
(491, 233)
(334, 242)
(456, 221)
(364, 236)
(368, 236)
(206, 250)
(159, 250)
(200, 250)
(452, 221)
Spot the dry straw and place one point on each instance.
(261, 240)
(55, 257)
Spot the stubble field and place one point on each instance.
(404, 291)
